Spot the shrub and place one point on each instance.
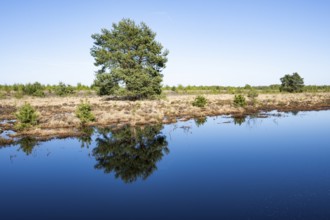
(27, 116)
(199, 101)
(253, 94)
(84, 112)
(239, 101)
(35, 89)
(63, 90)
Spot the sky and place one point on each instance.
(219, 42)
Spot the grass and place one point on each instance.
(60, 112)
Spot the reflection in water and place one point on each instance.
(294, 113)
(200, 121)
(239, 120)
(130, 153)
(86, 138)
(27, 144)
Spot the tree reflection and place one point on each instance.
(200, 121)
(130, 153)
(86, 138)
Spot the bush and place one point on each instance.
(35, 89)
(252, 94)
(199, 101)
(63, 90)
(84, 113)
(239, 101)
(27, 116)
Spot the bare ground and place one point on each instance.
(57, 114)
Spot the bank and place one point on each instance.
(57, 114)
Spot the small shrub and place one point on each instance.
(63, 90)
(27, 116)
(253, 94)
(19, 94)
(35, 89)
(199, 101)
(2, 95)
(39, 93)
(84, 113)
(239, 101)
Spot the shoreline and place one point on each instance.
(57, 114)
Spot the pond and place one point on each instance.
(274, 166)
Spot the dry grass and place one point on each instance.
(58, 113)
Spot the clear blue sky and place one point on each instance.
(227, 42)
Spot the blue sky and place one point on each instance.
(234, 42)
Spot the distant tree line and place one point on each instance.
(39, 90)
(192, 89)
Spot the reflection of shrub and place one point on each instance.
(199, 101)
(239, 101)
(239, 120)
(27, 144)
(63, 90)
(27, 116)
(200, 121)
(84, 113)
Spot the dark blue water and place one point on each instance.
(213, 168)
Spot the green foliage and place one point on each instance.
(239, 101)
(292, 83)
(131, 60)
(200, 101)
(247, 87)
(84, 112)
(35, 89)
(252, 93)
(2, 95)
(27, 116)
(63, 90)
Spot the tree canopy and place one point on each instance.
(130, 60)
(292, 83)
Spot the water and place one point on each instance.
(213, 168)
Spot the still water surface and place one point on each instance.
(213, 168)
